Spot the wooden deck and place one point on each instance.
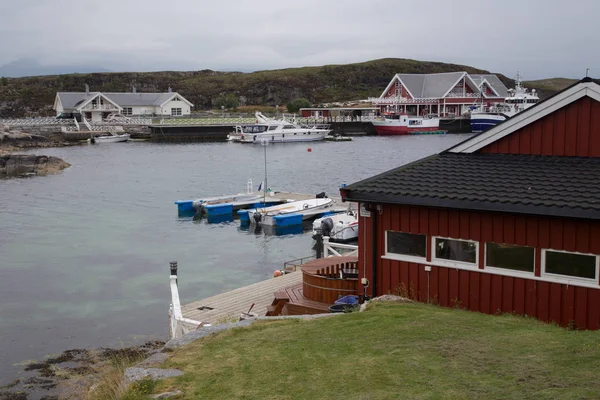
(283, 295)
(315, 293)
(291, 301)
(227, 306)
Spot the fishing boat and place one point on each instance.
(277, 131)
(486, 117)
(342, 227)
(403, 124)
(291, 213)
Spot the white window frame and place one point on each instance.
(127, 114)
(401, 257)
(567, 278)
(454, 264)
(175, 113)
(506, 271)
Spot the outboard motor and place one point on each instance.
(321, 195)
(326, 226)
(257, 217)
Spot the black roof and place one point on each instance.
(524, 184)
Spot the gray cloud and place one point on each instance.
(540, 38)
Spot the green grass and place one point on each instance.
(551, 84)
(405, 351)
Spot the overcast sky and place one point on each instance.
(539, 38)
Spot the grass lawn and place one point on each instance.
(392, 351)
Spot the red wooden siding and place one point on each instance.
(573, 130)
(481, 291)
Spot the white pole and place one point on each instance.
(265, 143)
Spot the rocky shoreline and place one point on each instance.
(72, 374)
(19, 165)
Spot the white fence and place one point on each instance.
(179, 325)
(35, 121)
(331, 249)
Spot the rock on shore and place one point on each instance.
(30, 164)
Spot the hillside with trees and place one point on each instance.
(207, 89)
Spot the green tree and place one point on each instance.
(296, 105)
(228, 101)
(4, 81)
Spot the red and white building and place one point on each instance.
(507, 221)
(445, 94)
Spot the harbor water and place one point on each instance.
(84, 254)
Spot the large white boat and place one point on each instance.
(277, 131)
(341, 227)
(289, 213)
(486, 117)
(403, 124)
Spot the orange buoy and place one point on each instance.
(309, 149)
(277, 273)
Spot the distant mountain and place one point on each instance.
(30, 67)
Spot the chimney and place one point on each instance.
(170, 90)
(133, 90)
(87, 89)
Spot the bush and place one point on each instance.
(296, 105)
(229, 102)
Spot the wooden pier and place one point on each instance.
(226, 307)
(310, 290)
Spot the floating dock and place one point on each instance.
(238, 209)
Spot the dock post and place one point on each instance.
(173, 266)
(325, 246)
(319, 246)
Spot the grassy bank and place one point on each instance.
(392, 351)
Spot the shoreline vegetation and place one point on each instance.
(396, 348)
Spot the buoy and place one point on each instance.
(309, 149)
(277, 273)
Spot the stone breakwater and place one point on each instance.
(30, 164)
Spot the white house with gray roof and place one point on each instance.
(96, 106)
(445, 94)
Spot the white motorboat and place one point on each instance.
(289, 213)
(236, 202)
(341, 227)
(112, 138)
(277, 131)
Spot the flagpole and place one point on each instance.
(265, 143)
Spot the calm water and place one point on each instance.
(84, 255)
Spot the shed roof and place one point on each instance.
(524, 184)
(494, 82)
(74, 99)
(71, 100)
(430, 85)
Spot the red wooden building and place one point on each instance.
(445, 94)
(507, 221)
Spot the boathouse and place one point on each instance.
(447, 94)
(96, 106)
(507, 221)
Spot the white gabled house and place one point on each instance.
(96, 106)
